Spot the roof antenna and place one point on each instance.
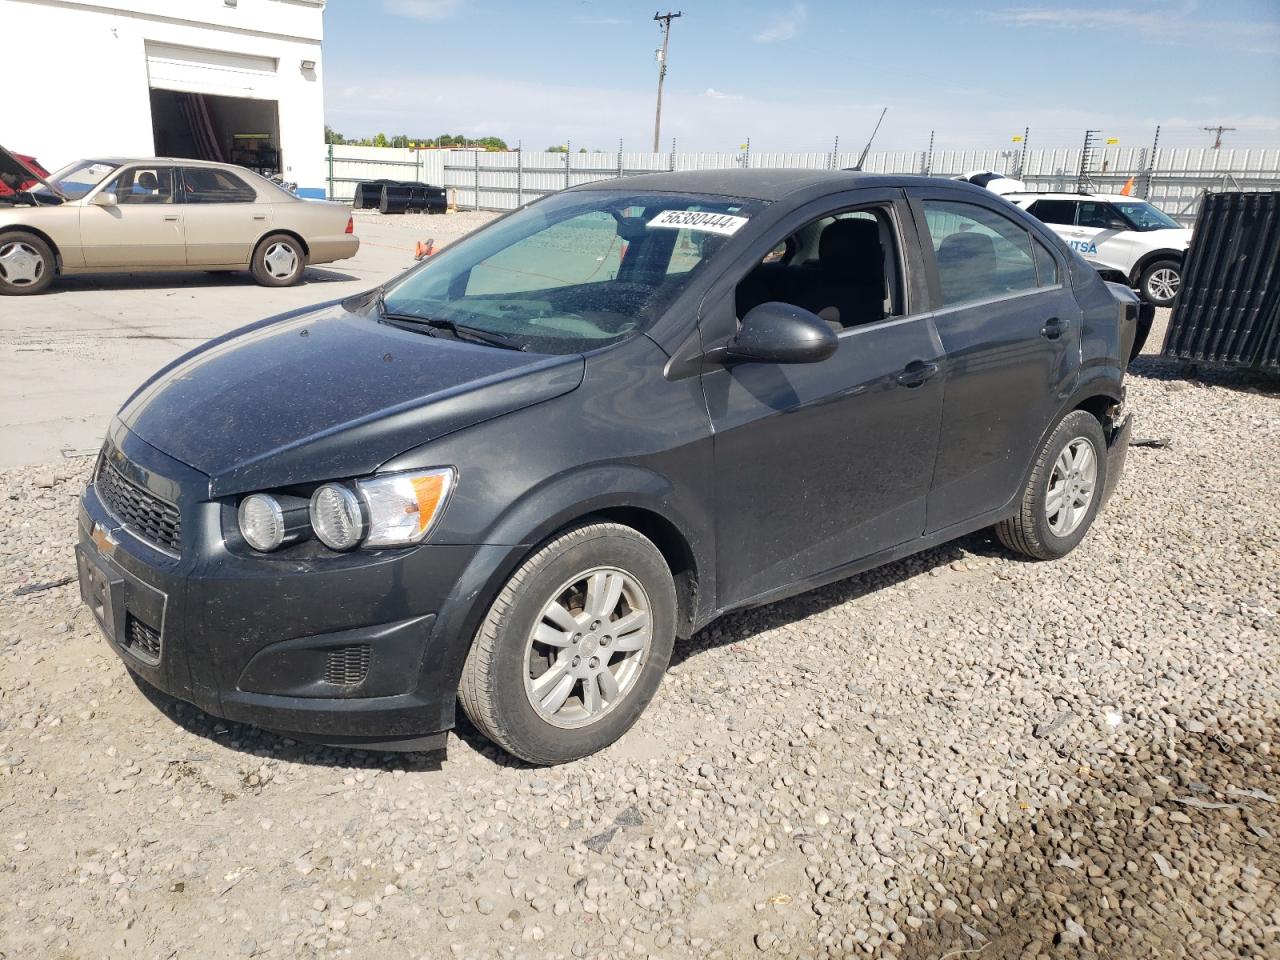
(867, 149)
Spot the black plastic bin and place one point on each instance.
(1228, 308)
(399, 196)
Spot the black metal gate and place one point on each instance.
(1228, 308)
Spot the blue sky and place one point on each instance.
(794, 75)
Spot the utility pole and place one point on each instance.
(665, 20)
(1217, 132)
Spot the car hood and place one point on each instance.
(326, 394)
(14, 165)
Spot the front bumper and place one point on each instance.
(344, 649)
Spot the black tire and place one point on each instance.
(268, 258)
(32, 257)
(1029, 531)
(493, 688)
(1157, 274)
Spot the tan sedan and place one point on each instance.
(157, 214)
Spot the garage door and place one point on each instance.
(196, 70)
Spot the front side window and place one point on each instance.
(143, 185)
(1100, 216)
(844, 267)
(211, 185)
(573, 272)
(980, 254)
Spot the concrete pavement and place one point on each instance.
(70, 357)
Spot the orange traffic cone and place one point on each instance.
(1127, 189)
(424, 250)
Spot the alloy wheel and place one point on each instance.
(588, 647)
(1163, 284)
(280, 260)
(20, 264)
(1071, 487)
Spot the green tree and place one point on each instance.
(380, 140)
(333, 136)
(558, 148)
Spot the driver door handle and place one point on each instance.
(1053, 328)
(916, 373)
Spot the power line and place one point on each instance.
(665, 20)
(1217, 131)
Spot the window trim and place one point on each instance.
(916, 198)
(182, 171)
(132, 168)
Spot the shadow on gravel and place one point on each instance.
(1171, 852)
(743, 625)
(179, 280)
(1190, 374)
(254, 741)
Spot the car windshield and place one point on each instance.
(573, 272)
(1146, 217)
(77, 179)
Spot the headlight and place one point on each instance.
(337, 517)
(267, 521)
(402, 507)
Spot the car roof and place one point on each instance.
(184, 161)
(765, 183)
(1032, 195)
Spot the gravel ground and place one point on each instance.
(960, 754)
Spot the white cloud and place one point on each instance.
(785, 25)
(1157, 24)
(424, 9)
(715, 94)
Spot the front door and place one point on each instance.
(1100, 234)
(1010, 329)
(224, 217)
(143, 229)
(818, 465)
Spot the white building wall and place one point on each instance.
(88, 89)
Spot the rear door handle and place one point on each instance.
(916, 373)
(171, 219)
(1053, 328)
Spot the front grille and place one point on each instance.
(347, 666)
(142, 638)
(141, 511)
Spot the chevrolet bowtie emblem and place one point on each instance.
(103, 537)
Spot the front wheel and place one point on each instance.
(1063, 493)
(26, 264)
(278, 261)
(1160, 282)
(574, 647)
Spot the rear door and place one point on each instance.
(224, 217)
(143, 229)
(1010, 331)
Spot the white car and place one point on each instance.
(1125, 238)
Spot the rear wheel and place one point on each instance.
(278, 261)
(27, 264)
(1160, 282)
(574, 647)
(1063, 493)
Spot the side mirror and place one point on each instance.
(105, 199)
(776, 332)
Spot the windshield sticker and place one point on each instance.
(721, 223)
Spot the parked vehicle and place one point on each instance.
(162, 214)
(515, 475)
(15, 177)
(1127, 239)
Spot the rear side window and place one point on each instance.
(1054, 211)
(980, 254)
(1046, 266)
(210, 185)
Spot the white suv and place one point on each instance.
(1125, 238)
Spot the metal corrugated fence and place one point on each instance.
(1228, 308)
(1173, 179)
